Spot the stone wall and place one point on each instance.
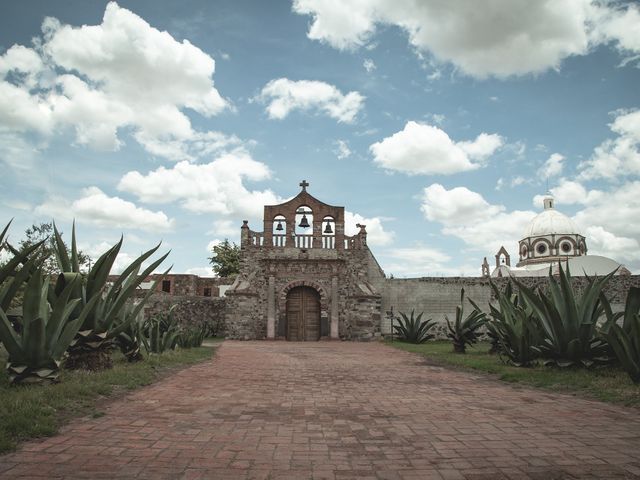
(344, 279)
(190, 310)
(439, 296)
(191, 285)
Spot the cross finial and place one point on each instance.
(304, 184)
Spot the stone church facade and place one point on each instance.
(302, 278)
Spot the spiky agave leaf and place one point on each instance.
(625, 339)
(464, 331)
(109, 315)
(36, 352)
(515, 328)
(568, 321)
(413, 329)
(160, 333)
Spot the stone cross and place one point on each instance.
(304, 184)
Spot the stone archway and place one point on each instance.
(303, 314)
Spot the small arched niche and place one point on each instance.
(279, 230)
(328, 232)
(304, 227)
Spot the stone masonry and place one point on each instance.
(340, 268)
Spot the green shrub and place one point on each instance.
(413, 329)
(464, 331)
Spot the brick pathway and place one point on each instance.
(336, 410)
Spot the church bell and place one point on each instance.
(304, 223)
(328, 229)
(279, 226)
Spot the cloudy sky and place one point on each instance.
(438, 124)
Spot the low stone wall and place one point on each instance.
(438, 297)
(190, 310)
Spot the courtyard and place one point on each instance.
(340, 410)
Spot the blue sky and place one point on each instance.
(437, 124)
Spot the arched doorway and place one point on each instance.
(303, 314)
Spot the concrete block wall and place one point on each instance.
(439, 296)
(435, 296)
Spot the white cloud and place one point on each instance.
(97, 208)
(552, 167)
(284, 95)
(570, 192)
(467, 215)
(518, 180)
(458, 205)
(426, 149)
(419, 261)
(491, 38)
(614, 23)
(342, 149)
(605, 243)
(376, 234)
(205, 272)
(101, 79)
(484, 227)
(619, 156)
(21, 59)
(614, 211)
(215, 187)
(213, 243)
(437, 118)
(95, 250)
(607, 225)
(136, 62)
(369, 65)
(16, 151)
(21, 112)
(499, 38)
(228, 229)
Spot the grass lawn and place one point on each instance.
(33, 411)
(609, 384)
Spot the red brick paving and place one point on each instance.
(332, 410)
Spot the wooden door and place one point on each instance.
(303, 314)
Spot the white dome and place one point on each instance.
(550, 221)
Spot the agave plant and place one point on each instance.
(625, 339)
(464, 331)
(413, 329)
(35, 352)
(129, 340)
(109, 316)
(161, 332)
(191, 337)
(13, 274)
(515, 328)
(568, 320)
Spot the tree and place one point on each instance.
(225, 259)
